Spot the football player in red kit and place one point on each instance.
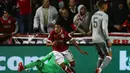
(57, 39)
(8, 26)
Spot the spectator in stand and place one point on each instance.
(35, 5)
(72, 8)
(3, 5)
(117, 17)
(25, 15)
(126, 23)
(81, 20)
(45, 17)
(8, 26)
(65, 21)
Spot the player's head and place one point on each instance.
(5, 13)
(102, 5)
(57, 28)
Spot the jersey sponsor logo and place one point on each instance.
(11, 63)
(124, 61)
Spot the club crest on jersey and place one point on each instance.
(9, 21)
(62, 35)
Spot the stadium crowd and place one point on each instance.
(39, 16)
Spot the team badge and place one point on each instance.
(9, 21)
(62, 35)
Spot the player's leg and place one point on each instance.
(68, 55)
(37, 63)
(108, 56)
(60, 60)
(101, 55)
(20, 66)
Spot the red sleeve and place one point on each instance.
(125, 24)
(68, 36)
(73, 27)
(50, 36)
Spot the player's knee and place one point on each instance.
(110, 54)
(72, 64)
(62, 65)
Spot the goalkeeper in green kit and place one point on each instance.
(50, 67)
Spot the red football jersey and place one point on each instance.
(24, 6)
(7, 25)
(62, 37)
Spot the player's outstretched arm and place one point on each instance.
(49, 43)
(77, 46)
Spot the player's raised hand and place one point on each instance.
(83, 52)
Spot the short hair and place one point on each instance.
(58, 24)
(101, 3)
(44, 0)
(5, 10)
(61, 9)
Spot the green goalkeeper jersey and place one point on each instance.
(46, 67)
(51, 66)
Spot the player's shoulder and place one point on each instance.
(65, 32)
(100, 13)
(52, 32)
(105, 14)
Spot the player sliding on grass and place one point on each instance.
(50, 67)
(57, 39)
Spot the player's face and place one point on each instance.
(105, 7)
(57, 28)
(46, 3)
(5, 14)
